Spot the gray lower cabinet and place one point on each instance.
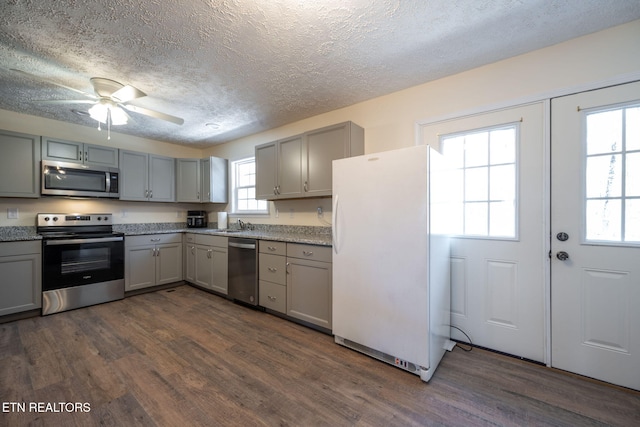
(19, 165)
(206, 260)
(309, 284)
(151, 260)
(295, 279)
(21, 273)
(272, 275)
(147, 177)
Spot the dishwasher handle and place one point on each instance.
(242, 245)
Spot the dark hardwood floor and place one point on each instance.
(184, 357)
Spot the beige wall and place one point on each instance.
(389, 121)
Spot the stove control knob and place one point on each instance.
(98, 218)
(55, 218)
(46, 218)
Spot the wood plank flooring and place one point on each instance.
(184, 357)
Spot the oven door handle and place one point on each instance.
(77, 241)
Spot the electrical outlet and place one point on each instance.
(320, 213)
(291, 213)
(12, 213)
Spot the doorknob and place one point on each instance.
(562, 256)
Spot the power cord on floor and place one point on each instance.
(469, 339)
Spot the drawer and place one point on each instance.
(20, 248)
(190, 238)
(272, 268)
(153, 239)
(273, 296)
(209, 240)
(275, 248)
(312, 252)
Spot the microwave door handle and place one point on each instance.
(108, 182)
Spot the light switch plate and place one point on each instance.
(12, 213)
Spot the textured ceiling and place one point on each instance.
(251, 65)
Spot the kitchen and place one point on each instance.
(389, 122)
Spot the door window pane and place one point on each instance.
(612, 175)
(485, 181)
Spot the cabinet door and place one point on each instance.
(21, 284)
(204, 266)
(162, 179)
(188, 180)
(134, 175)
(62, 151)
(97, 155)
(266, 171)
(220, 274)
(168, 263)
(140, 267)
(190, 262)
(321, 148)
(215, 176)
(290, 183)
(19, 165)
(309, 291)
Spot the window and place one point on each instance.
(484, 181)
(612, 175)
(243, 184)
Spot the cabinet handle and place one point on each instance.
(287, 269)
(146, 194)
(277, 189)
(272, 269)
(198, 195)
(209, 253)
(150, 194)
(307, 253)
(271, 298)
(271, 248)
(306, 187)
(86, 156)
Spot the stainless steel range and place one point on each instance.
(82, 261)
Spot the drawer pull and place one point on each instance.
(271, 248)
(271, 298)
(307, 253)
(272, 269)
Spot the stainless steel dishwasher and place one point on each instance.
(243, 270)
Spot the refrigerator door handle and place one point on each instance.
(334, 221)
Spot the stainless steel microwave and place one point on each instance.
(77, 180)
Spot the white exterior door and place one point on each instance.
(499, 259)
(595, 234)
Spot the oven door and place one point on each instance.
(81, 261)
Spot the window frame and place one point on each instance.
(235, 190)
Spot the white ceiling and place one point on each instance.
(252, 65)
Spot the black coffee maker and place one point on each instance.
(196, 219)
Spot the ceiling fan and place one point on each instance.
(110, 101)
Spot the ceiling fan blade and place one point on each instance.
(44, 79)
(152, 113)
(65, 101)
(127, 93)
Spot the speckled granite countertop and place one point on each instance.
(15, 234)
(282, 233)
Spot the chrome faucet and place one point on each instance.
(241, 224)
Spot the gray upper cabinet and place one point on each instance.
(77, 152)
(147, 177)
(279, 169)
(300, 166)
(188, 180)
(19, 165)
(202, 180)
(321, 148)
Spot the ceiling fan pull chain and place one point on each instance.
(108, 123)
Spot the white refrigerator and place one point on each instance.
(391, 287)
